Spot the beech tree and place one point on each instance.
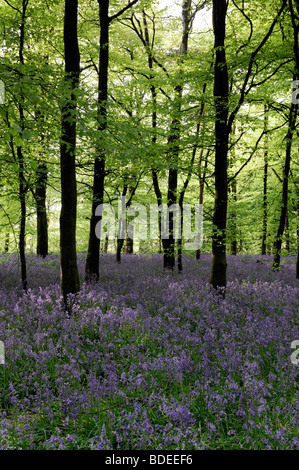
(92, 259)
(221, 93)
(289, 139)
(70, 283)
(223, 126)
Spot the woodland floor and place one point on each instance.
(148, 359)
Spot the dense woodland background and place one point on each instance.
(155, 101)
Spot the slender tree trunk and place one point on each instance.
(297, 264)
(6, 242)
(174, 150)
(106, 244)
(241, 242)
(129, 243)
(169, 243)
(232, 188)
(182, 195)
(41, 211)
(221, 91)
(20, 157)
(159, 203)
(154, 125)
(265, 185)
(296, 54)
(234, 246)
(70, 283)
(287, 234)
(22, 197)
(265, 207)
(122, 221)
(202, 178)
(119, 247)
(93, 254)
(284, 203)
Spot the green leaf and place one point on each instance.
(26, 135)
(15, 167)
(18, 141)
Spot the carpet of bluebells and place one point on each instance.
(150, 359)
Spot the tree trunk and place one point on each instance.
(202, 178)
(6, 242)
(232, 188)
(234, 247)
(174, 150)
(20, 157)
(169, 243)
(93, 254)
(41, 212)
(287, 234)
(106, 244)
(120, 244)
(265, 184)
(154, 126)
(22, 197)
(297, 264)
(284, 204)
(221, 91)
(129, 244)
(70, 283)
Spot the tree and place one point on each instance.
(92, 260)
(223, 127)
(70, 283)
(289, 139)
(265, 184)
(221, 92)
(41, 211)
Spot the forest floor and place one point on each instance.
(148, 359)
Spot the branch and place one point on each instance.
(271, 75)
(113, 17)
(244, 92)
(251, 26)
(276, 174)
(249, 158)
(11, 6)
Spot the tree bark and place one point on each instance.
(122, 227)
(20, 157)
(287, 236)
(129, 245)
(221, 91)
(232, 188)
(297, 263)
(286, 170)
(70, 283)
(119, 246)
(234, 245)
(265, 185)
(41, 211)
(202, 178)
(93, 255)
(174, 150)
(106, 244)
(6, 242)
(22, 197)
